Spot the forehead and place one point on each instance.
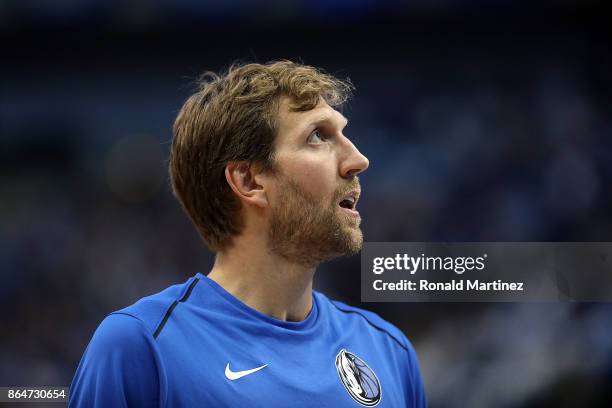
(293, 123)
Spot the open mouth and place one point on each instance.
(348, 202)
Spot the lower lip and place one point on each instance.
(352, 213)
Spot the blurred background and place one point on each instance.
(482, 120)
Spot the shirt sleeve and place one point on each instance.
(119, 368)
(416, 386)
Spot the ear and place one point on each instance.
(241, 178)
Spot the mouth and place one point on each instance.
(348, 203)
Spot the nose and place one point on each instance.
(353, 162)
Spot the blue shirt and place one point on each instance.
(196, 345)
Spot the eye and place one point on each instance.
(316, 137)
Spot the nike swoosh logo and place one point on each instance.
(234, 375)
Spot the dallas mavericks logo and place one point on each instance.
(358, 379)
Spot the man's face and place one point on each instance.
(313, 216)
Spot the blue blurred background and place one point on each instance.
(483, 121)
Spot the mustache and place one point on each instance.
(353, 185)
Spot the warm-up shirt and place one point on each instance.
(196, 345)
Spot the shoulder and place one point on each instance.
(122, 337)
(120, 365)
(120, 329)
(150, 310)
(123, 354)
(371, 320)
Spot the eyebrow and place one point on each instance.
(328, 118)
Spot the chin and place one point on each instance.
(354, 240)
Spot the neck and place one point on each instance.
(263, 281)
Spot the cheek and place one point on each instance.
(318, 177)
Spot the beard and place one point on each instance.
(305, 231)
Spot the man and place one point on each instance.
(261, 165)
